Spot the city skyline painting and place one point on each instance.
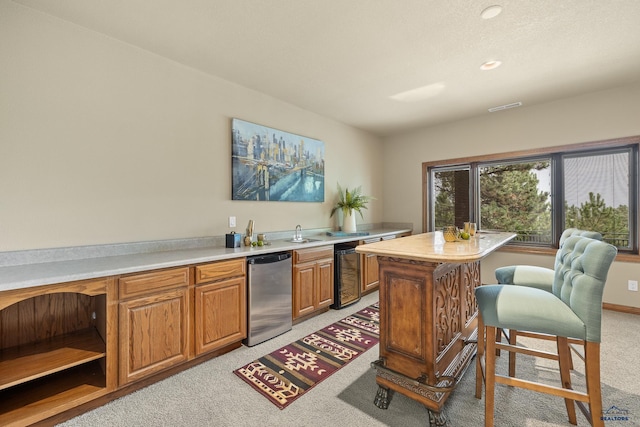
(272, 165)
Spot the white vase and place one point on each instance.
(349, 222)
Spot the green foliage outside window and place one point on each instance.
(595, 215)
(513, 199)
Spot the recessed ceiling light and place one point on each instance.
(490, 65)
(420, 93)
(491, 12)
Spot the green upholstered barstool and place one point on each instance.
(572, 310)
(536, 277)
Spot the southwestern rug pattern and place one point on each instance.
(284, 375)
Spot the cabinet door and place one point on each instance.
(153, 333)
(304, 278)
(220, 314)
(324, 287)
(369, 272)
(369, 268)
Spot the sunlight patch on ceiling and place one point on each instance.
(420, 93)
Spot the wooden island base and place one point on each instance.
(428, 316)
(432, 397)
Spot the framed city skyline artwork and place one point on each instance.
(272, 165)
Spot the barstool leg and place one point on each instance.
(490, 377)
(564, 360)
(513, 335)
(479, 358)
(592, 373)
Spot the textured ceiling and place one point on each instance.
(345, 59)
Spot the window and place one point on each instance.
(452, 201)
(597, 194)
(515, 196)
(537, 195)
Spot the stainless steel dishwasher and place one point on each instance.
(269, 297)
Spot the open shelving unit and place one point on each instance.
(26, 363)
(53, 350)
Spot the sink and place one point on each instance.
(305, 240)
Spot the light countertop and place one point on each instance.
(122, 261)
(431, 247)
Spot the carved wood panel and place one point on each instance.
(447, 309)
(471, 280)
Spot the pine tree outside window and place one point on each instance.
(515, 197)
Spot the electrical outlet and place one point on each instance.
(232, 221)
(633, 285)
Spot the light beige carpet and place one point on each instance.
(211, 395)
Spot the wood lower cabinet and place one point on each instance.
(220, 305)
(57, 348)
(313, 279)
(153, 322)
(81, 343)
(369, 277)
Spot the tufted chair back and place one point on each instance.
(577, 232)
(580, 273)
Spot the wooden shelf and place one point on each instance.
(44, 397)
(29, 362)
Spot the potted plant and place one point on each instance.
(350, 201)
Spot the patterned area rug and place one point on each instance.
(289, 372)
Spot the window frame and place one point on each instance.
(557, 154)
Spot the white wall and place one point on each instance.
(103, 142)
(590, 117)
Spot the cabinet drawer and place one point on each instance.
(220, 270)
(367, 241)
(304, 255)
(140, 284)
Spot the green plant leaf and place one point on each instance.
(351, 200)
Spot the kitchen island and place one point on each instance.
(428, 314)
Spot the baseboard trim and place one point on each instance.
(621, 308)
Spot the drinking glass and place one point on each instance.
(450, 233)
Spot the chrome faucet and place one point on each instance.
(298, 235)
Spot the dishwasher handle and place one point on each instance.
(268, 259)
